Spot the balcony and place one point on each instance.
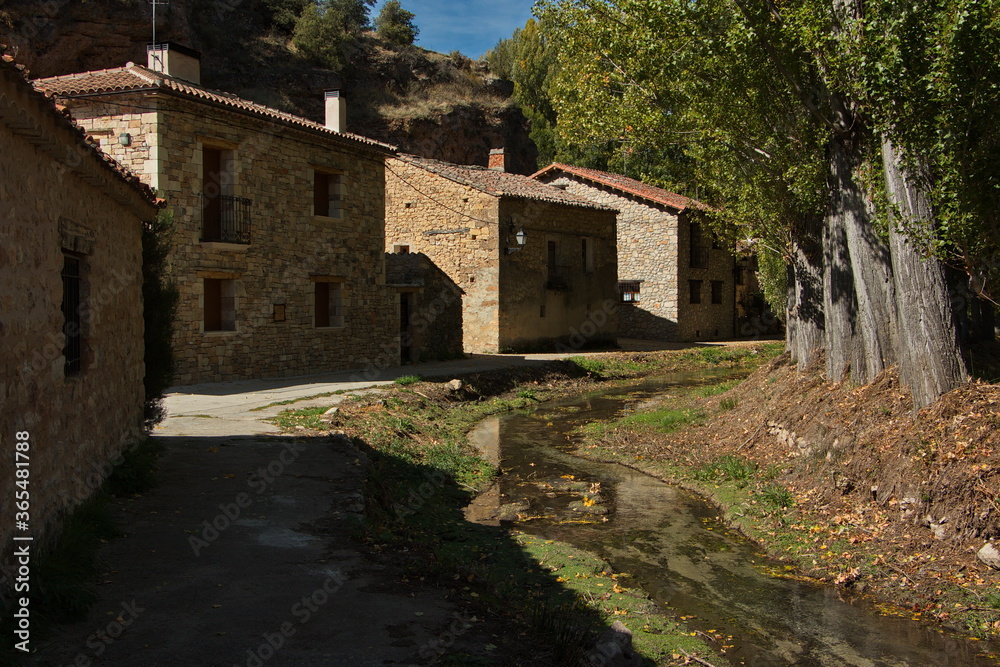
(226, 219)
(699, 257)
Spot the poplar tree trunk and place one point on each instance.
(930, 361)
(804, 335)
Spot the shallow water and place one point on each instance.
(675, 547)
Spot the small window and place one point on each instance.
(72, 320)
(329, 305)
(401, 249)
(629, 291)
(694, 287)
(541, 310)
(220, 305)
(551, 256)
(328, 194)
(699, 252)
(717, 291)
(738, 274)
(587, 255)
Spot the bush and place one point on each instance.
(159, 298)
(326, 29)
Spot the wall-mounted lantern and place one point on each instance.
(519, 239)
(125, 139)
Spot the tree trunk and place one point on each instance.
(840, 306)
(930, 362)
(860, 257)
(805, 322)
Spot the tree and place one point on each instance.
(395, 24)
(283, 14)
(327, 28)
(159, 299)
(804, 139)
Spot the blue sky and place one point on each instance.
(470, 26)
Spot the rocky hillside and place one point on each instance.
(444, 107)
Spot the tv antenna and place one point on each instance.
(157, 58)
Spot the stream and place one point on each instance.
(674, 545)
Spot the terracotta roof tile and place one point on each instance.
(623, 184)
(132, 78)
(76, 132)
(501, 183)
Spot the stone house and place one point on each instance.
(676, 282)
(71, 325)
(279, 220)
(430, 308)
(536, 265)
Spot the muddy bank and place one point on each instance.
(847, 483)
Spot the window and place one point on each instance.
(72, 321)
(328, 194)
(551, 255)
(699, 252)
(401, 249)
(587, 255)
(629, 290)
(694, 287)
(220, 305)
(329, 304)
(717, 291)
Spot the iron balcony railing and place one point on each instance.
(226, 219)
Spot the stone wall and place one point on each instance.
(78, 424)
(432, 326)
(291, 249)
(654, 247)
(705, 320)
(575, 306)
(456, 226)
(647, 252)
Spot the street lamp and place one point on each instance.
(519, 239)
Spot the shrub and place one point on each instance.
(395, 25)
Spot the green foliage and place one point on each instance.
(729, 468)
(283, 14)
(407, 380)
(309, 418)
(772, 274)
(667, 420)
(727, 404)
(395, 24)
(327, 30)
(159, 298)
(776, 496)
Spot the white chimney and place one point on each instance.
(336, 111)
(174, 60)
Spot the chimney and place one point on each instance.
(174, 60)
(336, 111)
(498, 161)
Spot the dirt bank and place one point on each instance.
(848, 483)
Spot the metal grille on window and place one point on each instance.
(629, 290)
(72, 327)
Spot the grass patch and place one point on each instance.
(728, 468)
(665, 420)
(307, 418)
(292, 401)
(718, 388)
(727, 404)
(407, 380)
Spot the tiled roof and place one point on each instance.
(501, 183)
(134, 78)
(624, 184)
(75, 134)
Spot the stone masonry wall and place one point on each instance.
(578, 305)
(456, 227)
(647, 251)
(290, 247)
(705, 320)
(78, 425)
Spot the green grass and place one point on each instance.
(665, 420)
(776, 496)
(729, 468)
(718, 388)
(727, 404)
(309, 418)
(407, 380)
(292, 401)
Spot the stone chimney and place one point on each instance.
(336, 111)
(498, 160)
(174, 60)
